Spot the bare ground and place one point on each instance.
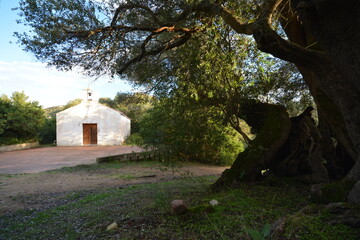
(48, 158)
(41, 190)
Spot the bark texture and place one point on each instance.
(301, 155)
(284, 147)
(332, 27)
(272, 125)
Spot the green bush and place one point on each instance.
(20, 119)
(47, 133)
(135, 139)
(190, 133)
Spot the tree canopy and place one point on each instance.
(20, 119)
(111, 36)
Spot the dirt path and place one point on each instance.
(48, 158)
(39, 190)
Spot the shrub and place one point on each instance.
(135, 139)
(190, 133)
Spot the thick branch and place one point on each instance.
(269, 41)
(176, 42)
(126, 29)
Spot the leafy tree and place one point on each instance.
(47, 133)
(20, 118)
(108, 102)
(190, 133)
(5, 108)
(319, 37)
(133, 105)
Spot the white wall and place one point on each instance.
(113, 127)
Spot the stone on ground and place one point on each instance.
(179, 207)
(214, 202)
(112, 226)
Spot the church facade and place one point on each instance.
(91, 123)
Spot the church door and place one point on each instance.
(89, 133)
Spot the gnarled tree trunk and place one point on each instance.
(301, 155)
(285, 147)
(272, 126)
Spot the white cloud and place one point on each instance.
(51, 87)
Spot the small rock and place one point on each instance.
(179, 207)
(214, 202)
(112, 226)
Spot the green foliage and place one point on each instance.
(21, 119)
(320, 224)
(51, 111)
(190, 132)
(135, 139)
(5, 108)
(133, 105)
(256, 235)
(47, 133)
(202, 208)
(48, 41)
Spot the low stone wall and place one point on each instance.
(19, 146)
(150, 155)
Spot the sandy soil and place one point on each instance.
(39, 190)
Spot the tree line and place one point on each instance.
(20, 119)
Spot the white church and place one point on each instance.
(91, 123)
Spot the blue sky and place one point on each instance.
(19, 71)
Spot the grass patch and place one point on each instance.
(4, 176)
(316, 226)
(13, 175)
(143, 212)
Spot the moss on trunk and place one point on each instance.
(272, 126)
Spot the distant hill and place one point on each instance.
(51, 111)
